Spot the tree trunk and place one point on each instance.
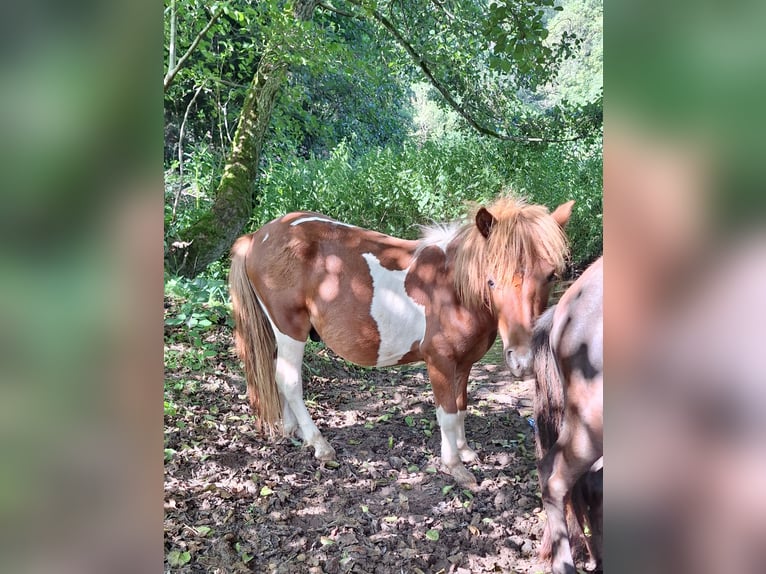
(210, 237)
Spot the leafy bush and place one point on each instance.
(197, 305)
(396, 190)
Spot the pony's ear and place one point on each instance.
(484, 221)
(562, 213)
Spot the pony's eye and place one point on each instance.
(491, 283)
(552, 276)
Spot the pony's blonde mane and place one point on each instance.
(521, 235)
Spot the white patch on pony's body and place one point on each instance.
(322, 219)
(401, 321)
(437, 236)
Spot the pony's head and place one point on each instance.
(508, 260)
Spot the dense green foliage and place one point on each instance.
(396, 190)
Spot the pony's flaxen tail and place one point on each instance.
(254, 340)
(549, 414)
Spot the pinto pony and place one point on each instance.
(376, 300)
(568, 349)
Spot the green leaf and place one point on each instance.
(203, 530)
(409, 421)
(446, 489)
(246, 557)
(326, 540)
(266, 491)
(169, 452)
(432, 535)
(177, 558)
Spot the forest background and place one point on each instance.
(384, 114)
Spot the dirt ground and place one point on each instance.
(238, 502)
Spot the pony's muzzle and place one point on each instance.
(519, 361)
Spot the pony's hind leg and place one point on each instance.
(289, 420)
(570, 457)
(289, 363)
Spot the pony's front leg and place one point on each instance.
(289, 363)
(449, 423)
(466, 453)
(451, 420)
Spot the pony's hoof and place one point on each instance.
(468, 455)
(323, 451)
(463, 477)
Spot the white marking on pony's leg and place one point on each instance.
(465, 452)
(289, 422)
(289, 363)
(401, 321)
(449, 424)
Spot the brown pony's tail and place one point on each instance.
(549, 415)
(254, 340)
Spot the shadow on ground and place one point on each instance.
(237, 502)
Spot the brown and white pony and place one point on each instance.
(376, 300)
(569, 418)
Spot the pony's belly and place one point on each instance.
(356, 351)
(364, 360)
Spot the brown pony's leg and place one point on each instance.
(443, 375)
(466, 453)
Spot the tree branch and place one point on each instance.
(173, 35)
(443, 90)
(331, 8)
(182, 60)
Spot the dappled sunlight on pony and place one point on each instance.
(377, 300)
(569, 419)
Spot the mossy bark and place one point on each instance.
(210, 237)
